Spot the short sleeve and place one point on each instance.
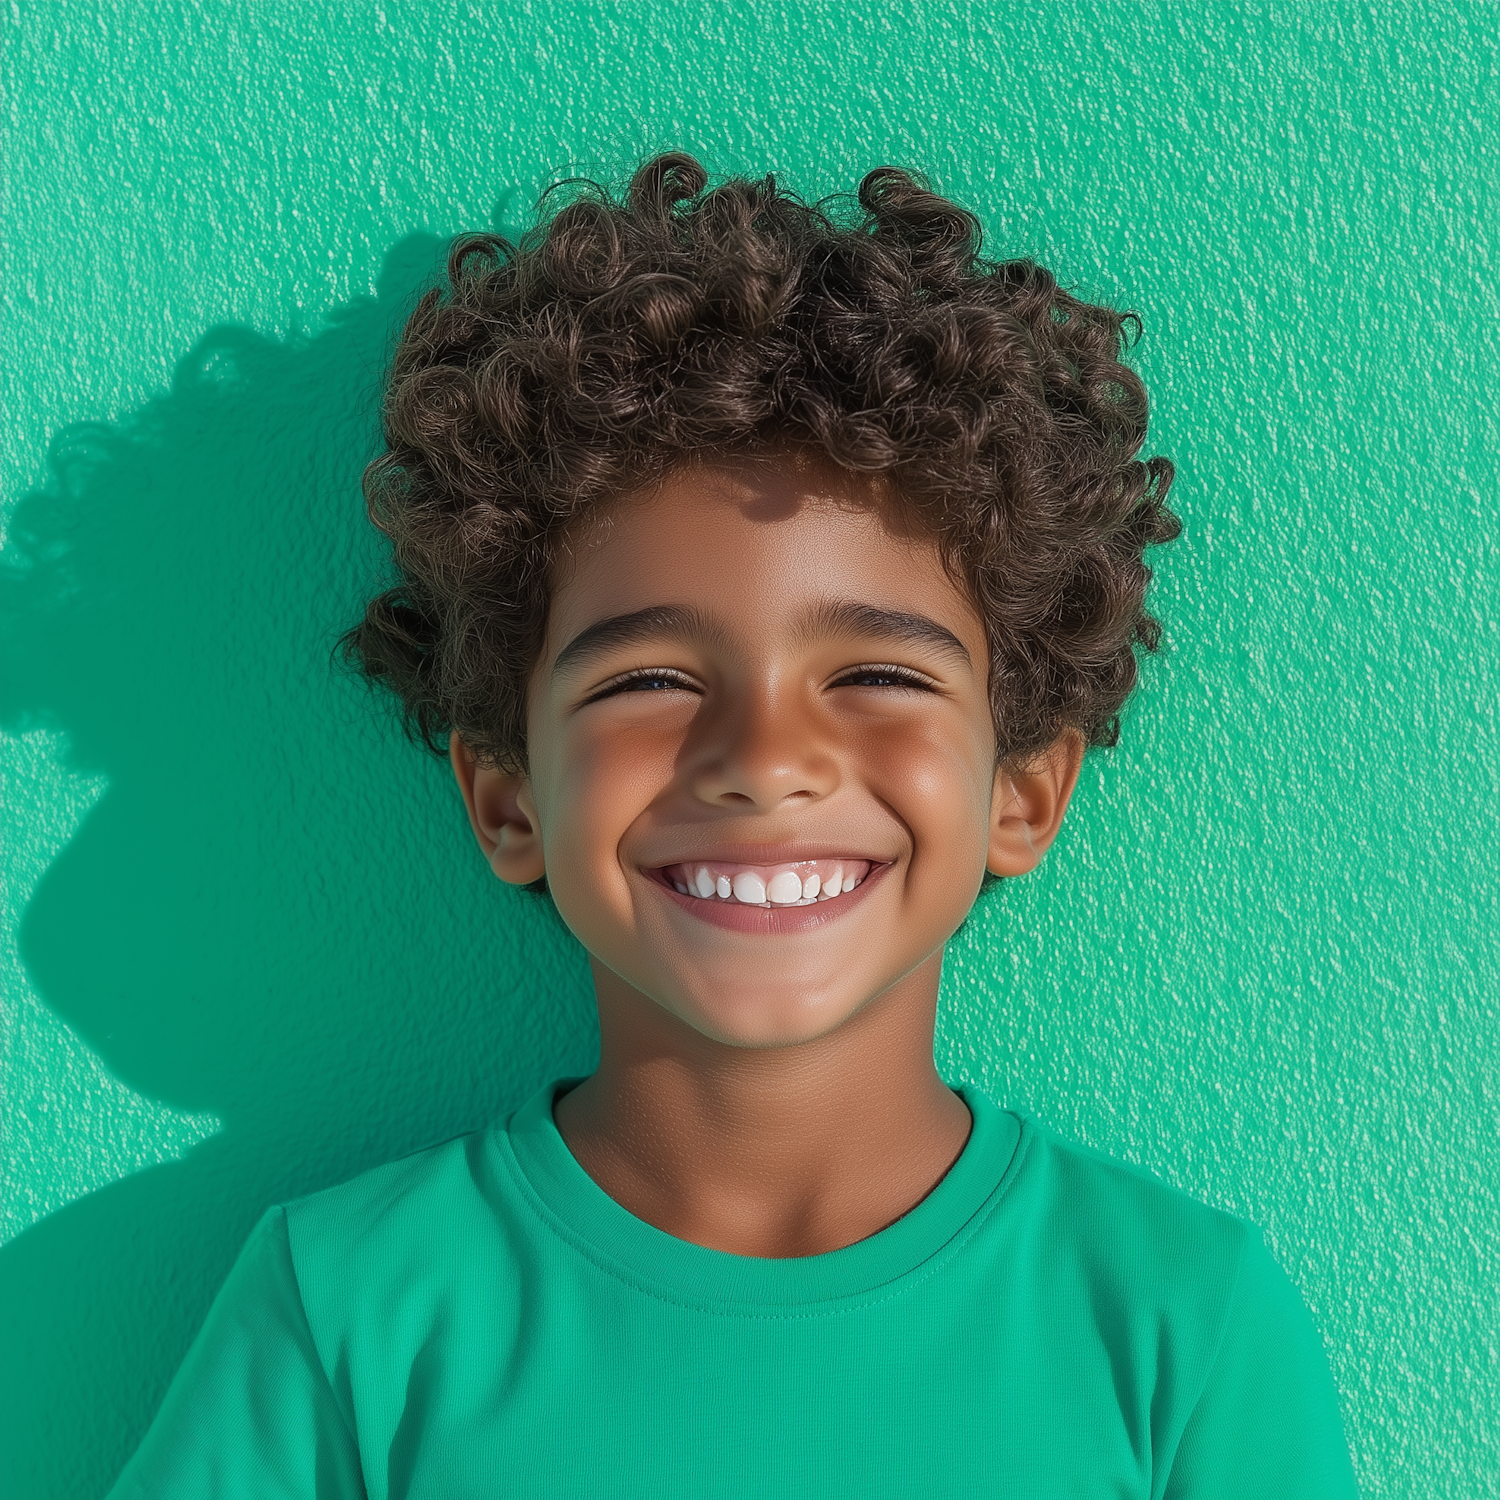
(250, 1415)
(1267, 1425)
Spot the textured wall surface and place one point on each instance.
(253, 950)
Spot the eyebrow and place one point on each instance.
(844, 617)
(626, 630)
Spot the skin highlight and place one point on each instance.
(759, 662)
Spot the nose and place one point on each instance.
(760, 753)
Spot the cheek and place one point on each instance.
(939, 783)
(601, 777)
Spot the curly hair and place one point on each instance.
(627, 334)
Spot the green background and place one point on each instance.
(253, 949)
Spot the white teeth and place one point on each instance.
(792, 884)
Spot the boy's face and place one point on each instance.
(754, 680)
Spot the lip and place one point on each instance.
(769, 921)
(764, 854)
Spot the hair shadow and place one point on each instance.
(275, 912)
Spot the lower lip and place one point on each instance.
(769, 921)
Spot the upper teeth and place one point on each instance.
(769, 885)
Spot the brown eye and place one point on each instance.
(885, 677)
(648, 680)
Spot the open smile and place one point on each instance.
(757, 898)
(794, 884)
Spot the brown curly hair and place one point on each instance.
(626, 334)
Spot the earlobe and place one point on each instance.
(502, 813)
(1028, 806)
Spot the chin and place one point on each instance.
(762, 1025)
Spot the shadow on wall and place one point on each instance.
(275, 913)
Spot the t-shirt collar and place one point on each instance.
(597, 1227)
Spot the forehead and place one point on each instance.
(753, 544)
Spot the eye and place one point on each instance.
(881, 676)
(644, 680)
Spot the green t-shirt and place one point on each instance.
(482, 1320)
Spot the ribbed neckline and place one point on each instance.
(579, 1210)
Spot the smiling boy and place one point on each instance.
(766, 579)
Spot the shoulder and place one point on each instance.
(1150, 1256)
(1184, 1300)
(407, 1235)
(1088, 1183)
(1106, 1202)
(395, 1196)
(1200, 1332)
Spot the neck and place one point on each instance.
(773, 1151)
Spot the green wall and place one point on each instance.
(253, 949)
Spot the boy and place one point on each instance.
(766, 580)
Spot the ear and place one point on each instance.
(502, 813)
(1028, 805)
